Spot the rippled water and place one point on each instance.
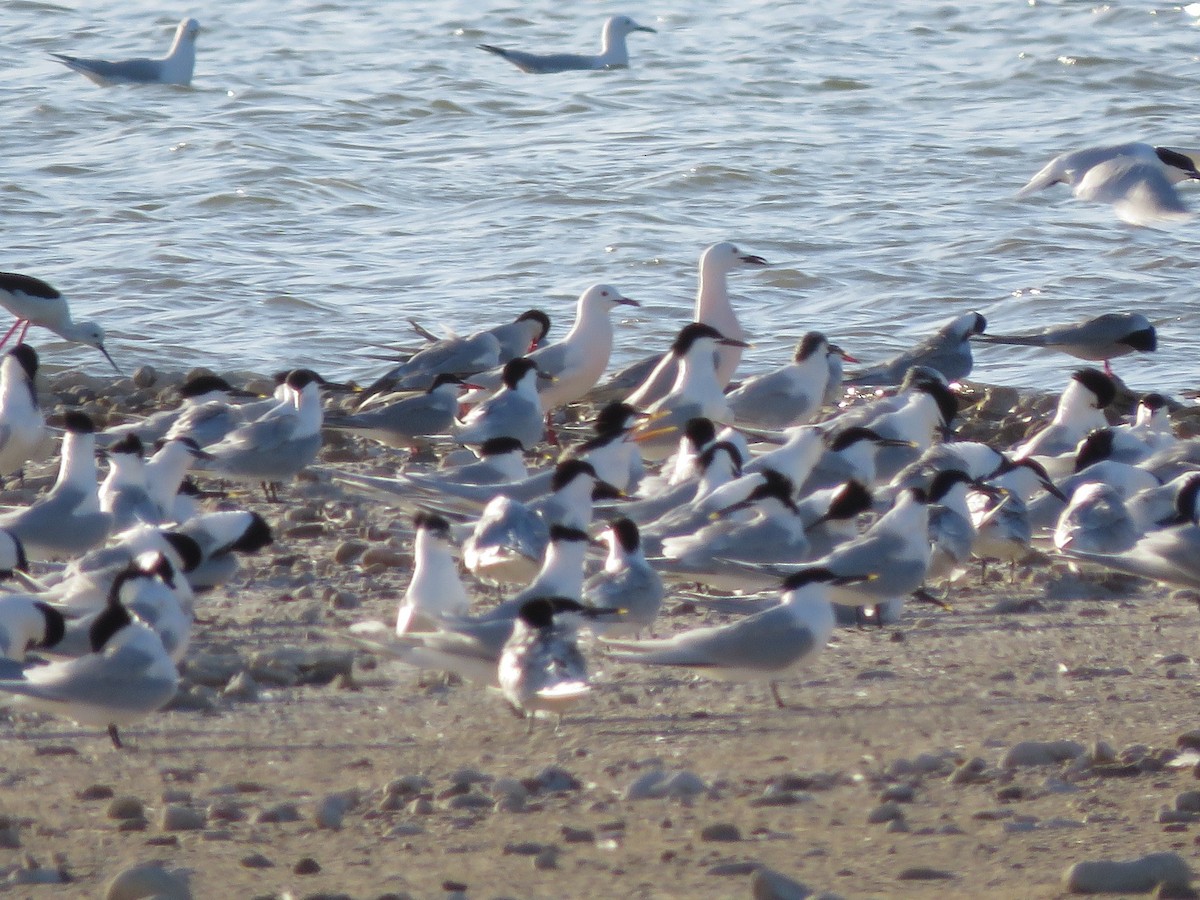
(338, 169)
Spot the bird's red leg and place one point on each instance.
(15, 326)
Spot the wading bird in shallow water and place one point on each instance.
(34, 302)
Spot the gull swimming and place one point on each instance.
(1137, 179)
(34, 302)
(174, 68)
(613, 52)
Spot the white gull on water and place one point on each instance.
(174, 68)
(613, 52)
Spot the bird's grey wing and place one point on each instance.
(1171, 555)
(113, 680)
(542, 63)
(143, 71)
(771, 398)
(766, 642)
(1139, 191)
(260, 435)
(553, 359)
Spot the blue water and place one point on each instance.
(338, 167)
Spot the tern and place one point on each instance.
(766, 646)
(1137, 179)
(1080, 411)
(174, 68)
(435, 589)
(276, 446)
(34, 302)
(514, 411)
(67, 521)
(464, 356)
(541, 668)
(1098, 339)
(127, 676)
(627, 582)
(405, 421)
(205, 404)
(948, 352)
(22, 425)
(613, 52)
(791, 395)
(576, 362)
(696, 392)
(28, 623)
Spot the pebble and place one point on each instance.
(145, 376)
(126, 808)
(256, 861)
(331, 810)
(767, 884)
(1139, 876)
(721, 832)
(348, 551)
(973, 771)
(150, 879)
(280, 812)
(577, 835)
(307, 866)
(885, 812)
(546, 860)
(96, 792)
(1188, 801)
(385, 556)
(1041, 753)
(177, 817)
(1189, 740)
(899, 793)
(553, 780)
(243, 687)
(924, 873)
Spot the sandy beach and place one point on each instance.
(292, 765)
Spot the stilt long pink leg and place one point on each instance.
(15, 326)
(24, 331)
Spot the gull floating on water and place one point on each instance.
(174, 68)
(613, 52)
(34, 302)
(1137, 179)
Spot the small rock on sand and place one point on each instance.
(1136, 876)
(1041, 753)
